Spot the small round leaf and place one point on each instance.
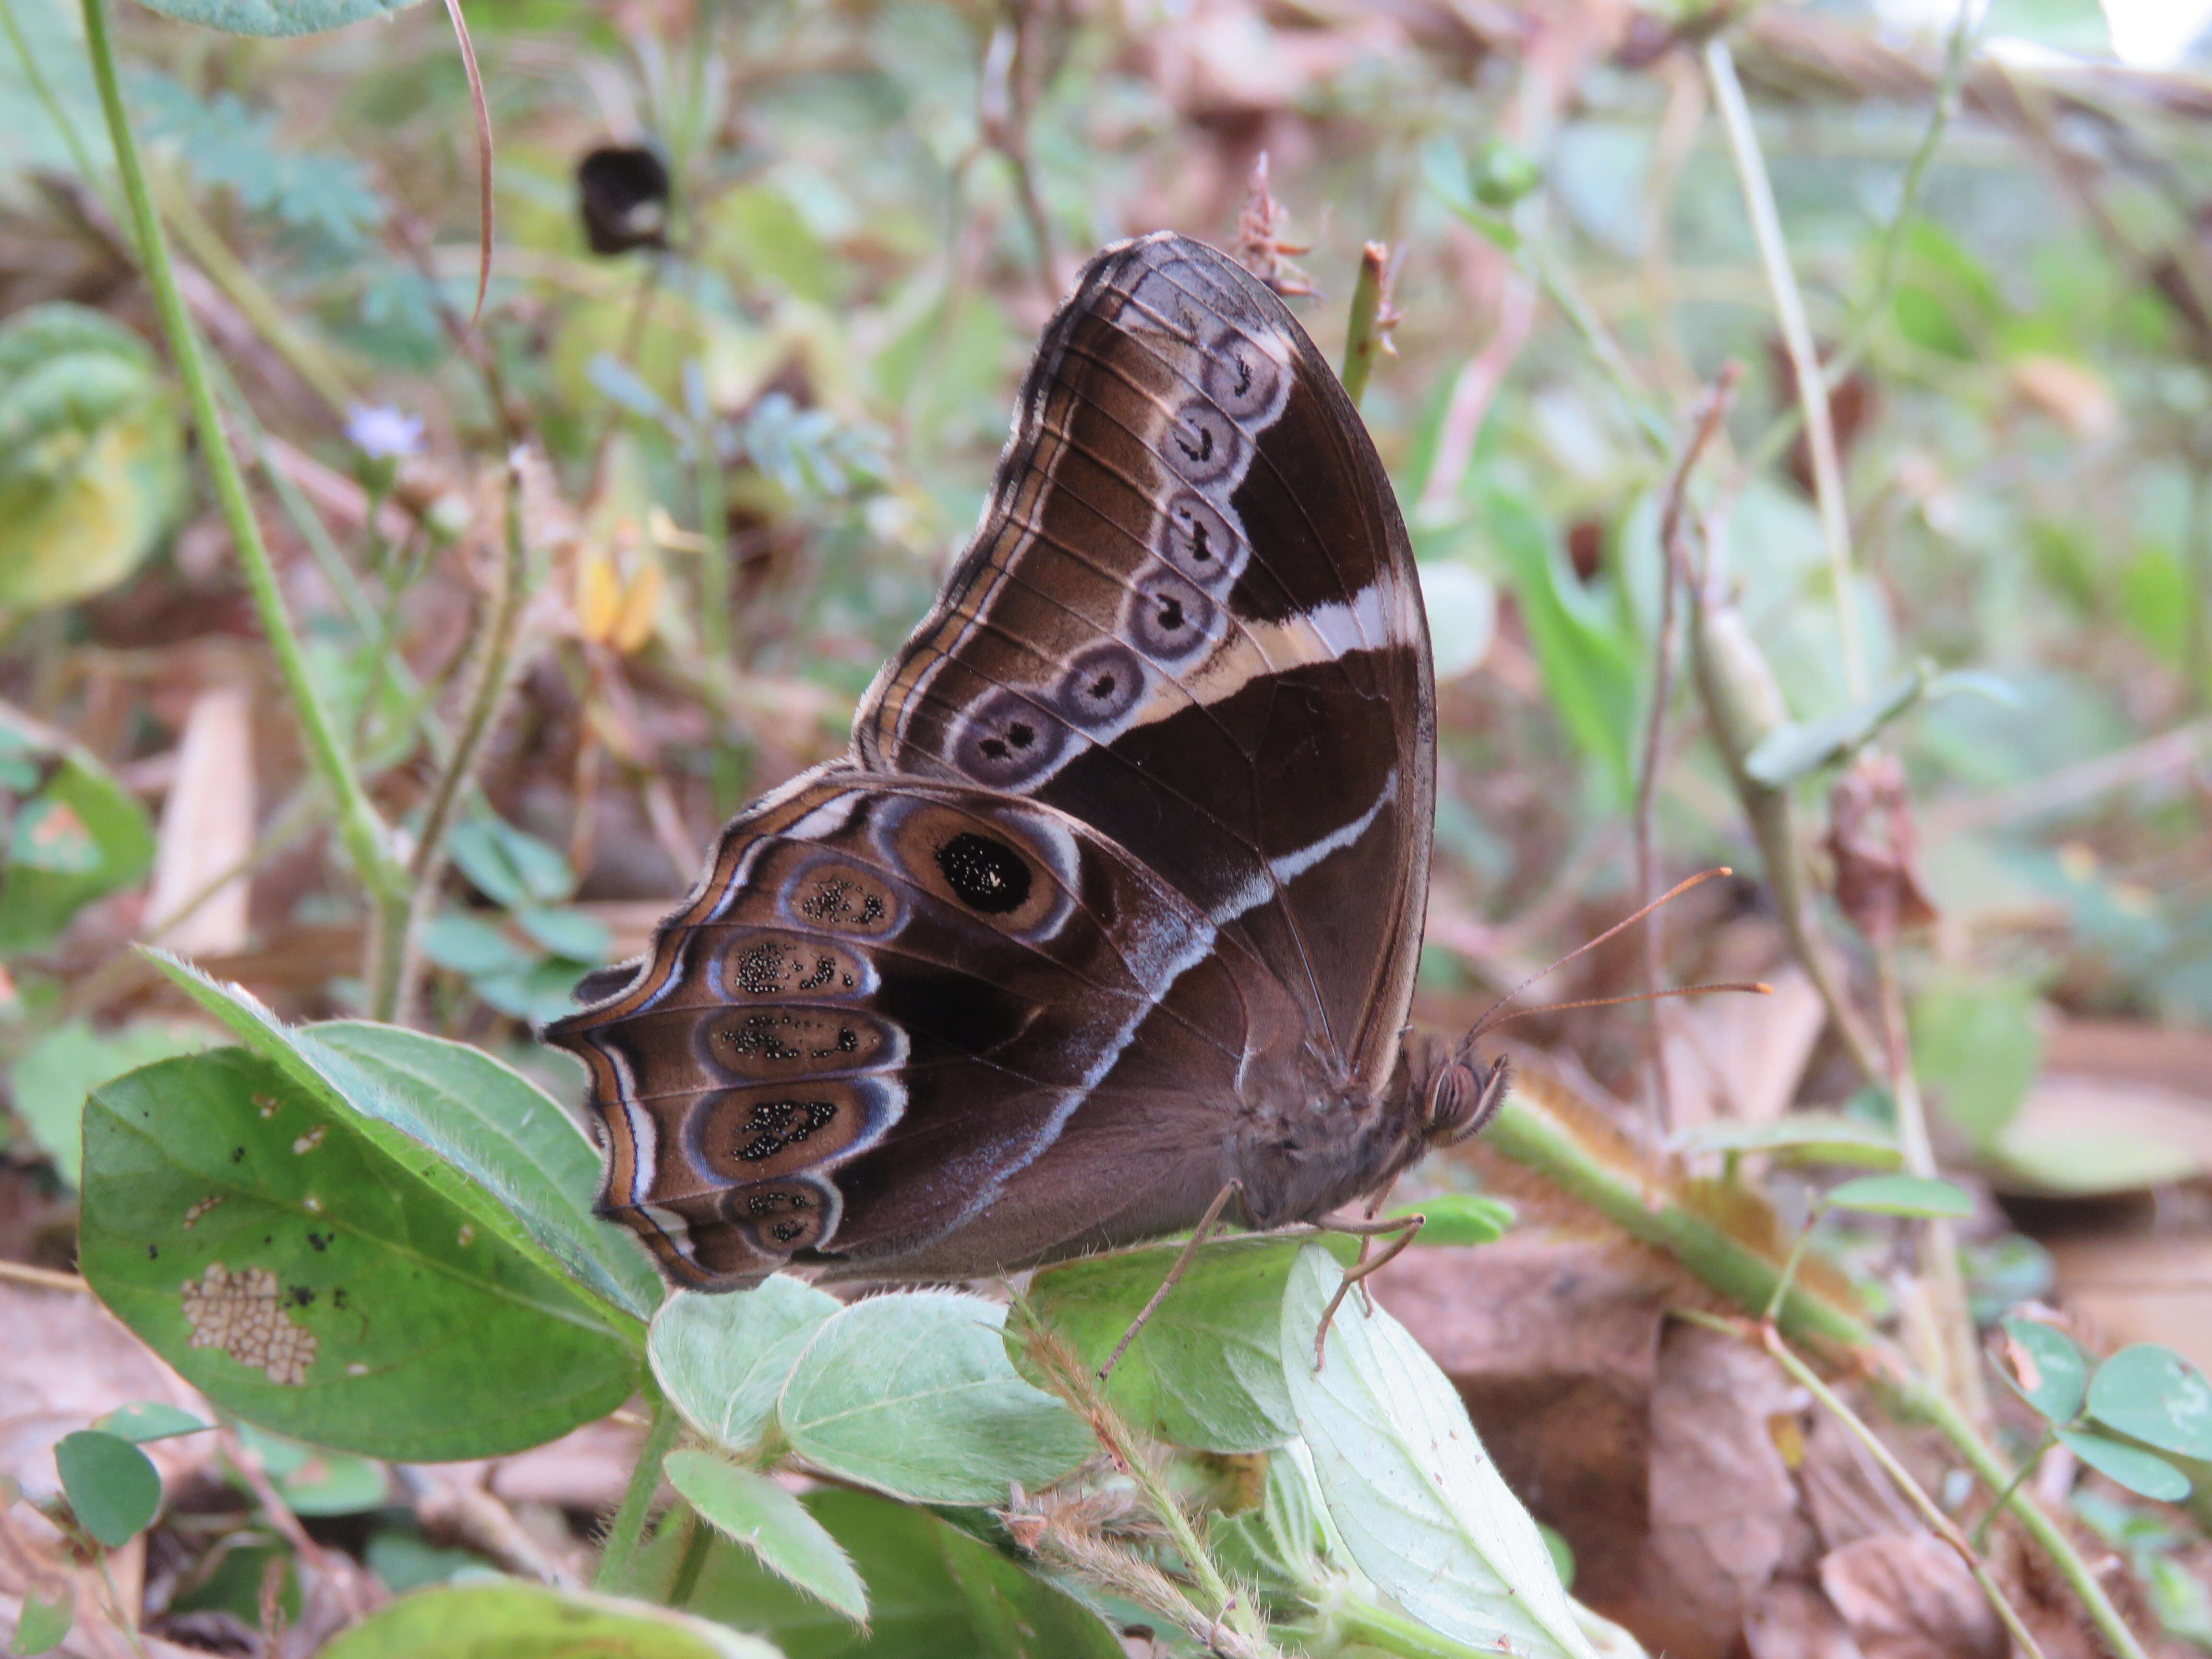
(2158, 1397)
(111, 1486)
(1460, 1219)
(2141, 1471)
(45, 1620)
(2050, 1373)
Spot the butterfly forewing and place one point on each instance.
(1190, 619)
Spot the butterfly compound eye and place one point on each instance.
(985, 873)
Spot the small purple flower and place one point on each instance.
(382, 432)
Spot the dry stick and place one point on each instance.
(1674, 567)
(482, 106)
(1804, 357)
(1005, 111)
(366, 841)
(1938, 1522)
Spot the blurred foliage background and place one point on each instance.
(764, 277)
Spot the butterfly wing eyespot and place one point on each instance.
(1243, 377)
(1009, 741)
(984, 873)
(1200, 541)
(1204, 444)
(1102, 682)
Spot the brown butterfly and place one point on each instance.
(1117, 899)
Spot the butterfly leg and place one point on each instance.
(1198, 1237)
(1403, 1229)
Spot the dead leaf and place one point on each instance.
(1792, 1619)
(207, 825)
(1908, 1596)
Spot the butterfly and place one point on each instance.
(1117, 901)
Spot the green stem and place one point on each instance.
(1367, 334)
(690, 1559)
(2028, 1468)
(1357, 1623)
(360, 828)
(626, 1532)
(1791, 1263)
(1804, 356)
(1856, 344)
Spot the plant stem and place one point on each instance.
(1790, 1264)
(2027, 1466)
(363, 832)
(626, 1532)
(691, 1557)
(1367, 334)
(1957, 55)
(1804, 357)
(395, 958)
(1364, 1623)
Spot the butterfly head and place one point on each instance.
(1463, 1096)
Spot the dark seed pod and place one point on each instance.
(622, 193)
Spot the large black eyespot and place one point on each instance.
(1102, 683)
(985, 873)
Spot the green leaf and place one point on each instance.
(1422, 1510)
(574, 935)
(2141, 1471)
(314, 1480)
(1802, 1137)
(1900, 1194)
(507, 1153)
(113, 1486)
(914, 1395)
(306, 1278)
(517, 1620)
(275, 17)
(1591, 665)
(82, 804)
(55, 1075)
(91, 472)
(44, 1621)
(1977, 1045)
(1800, 748)
(2050, 1373)
(1462, 1219)
(751, 1510)
(467, 944)
(149, 1419)
(509, 867)
(1205, 1371)
(722, 1360)
(927, 1581)
(2158, 1397)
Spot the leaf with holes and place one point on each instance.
(750, 1508)
(914, 1395)
(311, 1280)
(507, 1153)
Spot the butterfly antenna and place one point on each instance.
(1489, 1020)
(1757, 988)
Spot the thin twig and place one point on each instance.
(42, 1279)
(1674, 569)
(366, 841)
(1005, 110)
(1804, 356)
(1859, 340)
(481, 107)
